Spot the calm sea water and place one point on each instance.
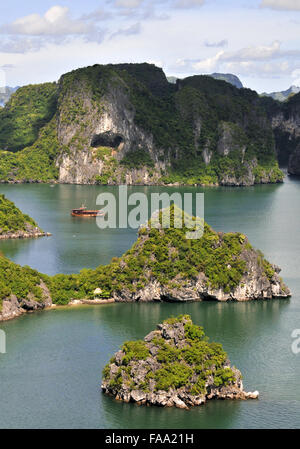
(51, 374)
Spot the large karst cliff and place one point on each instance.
(126, 123)
(285, 120)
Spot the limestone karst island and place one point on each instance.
(149, 218)
(174, 365)
(162, 265)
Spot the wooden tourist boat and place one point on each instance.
(84, 212)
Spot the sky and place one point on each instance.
(257, 40)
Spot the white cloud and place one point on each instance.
(222, 43)
(7, 66)
(255, 69)
(56, 21)
(209, 64)
(244, 56)
(31, 33)
(281, 5)
(186, 4)
(296, 73)
(257, 61)
(97, 15)
(260, 53)
(257, 53)
(155, 62)
(128, 4)
(129, 31)
(21, 45)
(296, 77)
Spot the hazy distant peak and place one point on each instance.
(229, 78)
(5, 94)
(283, 95)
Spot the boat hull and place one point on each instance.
(87, 213)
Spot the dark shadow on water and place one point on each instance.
(294, 178)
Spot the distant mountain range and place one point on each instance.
(284, 95)
(228, 77)
(5, 94)
(232, 79)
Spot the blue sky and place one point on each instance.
(258, 40)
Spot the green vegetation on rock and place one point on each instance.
(179, 367)
(12, 219)
(179, 127)
(195, 269)
(137, 159)
(27, 111)
(18, 280)
(35, 163)
(164, 255)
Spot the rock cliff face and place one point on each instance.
(108, 124)
(127, 124)
(286, 125)
(294, 162)
(174, 366)
(257, 279)
(12, 306)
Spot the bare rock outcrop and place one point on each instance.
(29, 233)
(13, 306)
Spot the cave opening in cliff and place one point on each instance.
(107, 139)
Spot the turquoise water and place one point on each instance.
(51, 374)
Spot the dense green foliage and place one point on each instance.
(184, 120)
(12, 219)
(164, 255)
(15, 279)
(171, 115)
(35, 163)
(134, 350)
(27, 111)
(188, 365)
(136, 159)
(19, 281)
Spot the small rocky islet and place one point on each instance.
(175, 365)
